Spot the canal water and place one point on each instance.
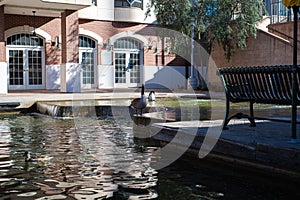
(95, 159)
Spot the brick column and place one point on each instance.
(70, 69)
(3, 65)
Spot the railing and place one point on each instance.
(279, 13)
(290, 38)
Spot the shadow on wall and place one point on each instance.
(53, 77)
(165, 77)
(73, 79)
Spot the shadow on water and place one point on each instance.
(191, 178)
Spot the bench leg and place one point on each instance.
(239, 116)
(227, 119)
(251, 117)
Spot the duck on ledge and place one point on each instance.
(139, 103)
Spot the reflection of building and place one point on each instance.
(77, 45)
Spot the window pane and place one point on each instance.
(24, 39)
(129, 3)
(127, 43)
(15, 67)
(86, 42)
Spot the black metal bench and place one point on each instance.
(261, 84)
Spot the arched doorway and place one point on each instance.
(127, 62)
(26, 61)
(88, 61)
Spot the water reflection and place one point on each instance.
(95, 160)
(5, 140)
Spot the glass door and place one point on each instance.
(25, 67)
(88, 72)
(127, 69)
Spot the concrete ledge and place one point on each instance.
(252, 151)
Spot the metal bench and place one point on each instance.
(261, 84)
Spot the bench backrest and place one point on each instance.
(261, 84)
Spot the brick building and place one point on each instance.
(74, 45)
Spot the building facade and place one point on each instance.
(71, 45)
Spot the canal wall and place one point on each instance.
(245, 146)
(264, 147)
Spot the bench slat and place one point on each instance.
(265, 84)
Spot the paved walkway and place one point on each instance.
(268, 143)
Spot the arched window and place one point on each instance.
(24, 39)
(86, 42)
(127, 43)
(129, 3)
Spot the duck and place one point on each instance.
(28, 158)
(139, 103)
(151, 96)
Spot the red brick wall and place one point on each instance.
(52, 53)
(108, 29)
(285, 30)
(50, 25)
(12, 21)
(266, 49)
(70, 31)
(105, 29)
(2, 37)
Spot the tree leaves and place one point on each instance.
(229, 22)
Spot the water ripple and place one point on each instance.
(92, 160)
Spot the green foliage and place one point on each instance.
(229, 22)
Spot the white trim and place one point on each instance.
(91, 34)
(28, 29)
(129, 34)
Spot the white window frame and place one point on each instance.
(127, 52)
(26, 85)
(94, 51)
